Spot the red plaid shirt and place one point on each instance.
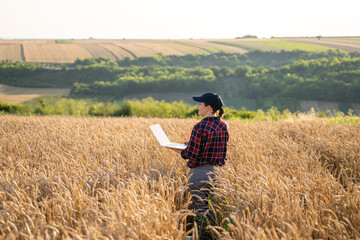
(207, 143)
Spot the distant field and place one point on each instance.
(291, 45)
(237, 45)
(62, 51)
(52, 52)
(16, 95)
(346, 44)
(10, 52)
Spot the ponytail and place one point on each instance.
(221, 112)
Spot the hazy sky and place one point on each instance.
(180, 19)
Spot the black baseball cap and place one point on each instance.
(212, 99)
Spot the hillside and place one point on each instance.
(67, 51)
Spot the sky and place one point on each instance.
(177, 19)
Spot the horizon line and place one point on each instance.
(243, 37)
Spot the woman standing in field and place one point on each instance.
(205, 150)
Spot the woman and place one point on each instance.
(205, 150)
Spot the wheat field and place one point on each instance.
(107, 178)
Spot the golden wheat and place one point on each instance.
(107, 178)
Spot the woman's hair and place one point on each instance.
(220, 112)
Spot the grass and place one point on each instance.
(291, 46)
(87, 177)
(64, 41)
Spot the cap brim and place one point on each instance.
(198, 99)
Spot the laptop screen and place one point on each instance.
(159, 134)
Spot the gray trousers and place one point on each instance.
(200, 190)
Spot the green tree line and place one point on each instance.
(149, 79)
(255, 58)
(332, 75)
(147, 107)
(90, 70)
(331, 79)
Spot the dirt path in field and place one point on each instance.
(16, 95)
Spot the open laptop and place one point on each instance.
(163, 139)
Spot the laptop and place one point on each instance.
(163, 139)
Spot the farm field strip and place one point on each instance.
(160, 47)
(355, 41)
(167, 47)
(291, 45)
(240, 46)
(254, 44)
(186, 48)
(87, 177)
(117, 51)
(203, 47)
(10, 52)
(180, 49)
(27, 41)
(96, 50)
(224, 48)
(53, 52)
(346, 46)
(137, 49)
(335, 45)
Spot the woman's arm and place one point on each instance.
(194, 145)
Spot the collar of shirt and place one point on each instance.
(210, 118)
